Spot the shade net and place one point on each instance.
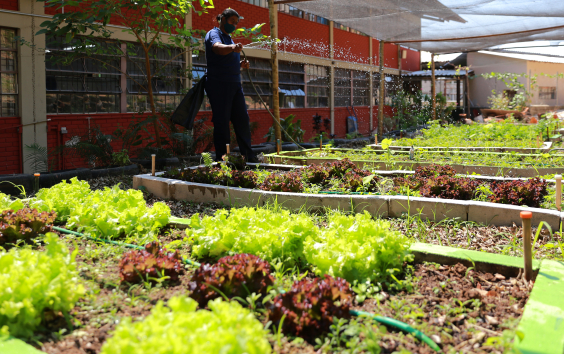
(402, 21)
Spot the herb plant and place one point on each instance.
(33, 283)
(240, 275)
(179, 329)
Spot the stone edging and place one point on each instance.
(383, 206)
(545, 148)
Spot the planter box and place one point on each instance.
(434, 209)
(544, 148)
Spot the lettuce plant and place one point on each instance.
(283, 182)
(24, 224)
(155, 262)
(311, 306)
(108, 213)
(34, 282)
(530, 193)
(357, 248)
(6, 203)
(268, 234)
(447, 187)
(239, 275)
(179, 329)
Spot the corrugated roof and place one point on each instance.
(526, 56)
(439, 73)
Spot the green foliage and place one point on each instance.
(152, 262)
(24, 224)
(121, 158)
(108, 213)
(351, 247)
(268, 234)
(294, 130)
(7, 203)
(38, 157)
(33, 283)
(180, 329)
(357, 248)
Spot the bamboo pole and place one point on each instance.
(433, 88)
(382, 88)
(153, 157)
(273, 12)
(526, 217)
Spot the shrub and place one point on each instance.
(268, 234)
(180, 329)
(434, 170)
(357, 248)
(530, 193)
(239, 275)
(450, 187)
(33, 283)
(136, 266)
(311, 306)
(6, 203)
(284, 182)
(24, 224)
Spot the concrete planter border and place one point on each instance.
(544, 148)
(298, 158)
(383, 206)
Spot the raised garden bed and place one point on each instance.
(464, 162)
(284, 188)
(468, 301)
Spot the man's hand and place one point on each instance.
(237, 48)
(245, 64)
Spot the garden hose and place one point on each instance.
(399, 325)
(385, 320)
(116, 243)
(266, 107)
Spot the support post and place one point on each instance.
(381, 96)
(332, 77)
(273, 11)
(433, 88)
(458, 92)
(371, 83)
(526, 217)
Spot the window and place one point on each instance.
(167, 68)
(85, 85)
(260, 73)
(292, 85)
(361, 88)
(8, 73)
(318, 86)
(342, 87)
(547, 93)
(198, 70)
(393, 84)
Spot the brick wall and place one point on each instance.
(351, 46)
(10, 145)
(303, 36)
(391, 55)
(9, 5)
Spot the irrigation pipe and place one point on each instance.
(117, 243)
(385, 320)
(266, 107)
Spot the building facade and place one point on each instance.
(324, 70)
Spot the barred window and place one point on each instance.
(292, 84)
(547, 93)
(342, 87)
(260, 72)
(8, 73)
(361, 88)
(318, 86)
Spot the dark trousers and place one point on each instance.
(228, 104)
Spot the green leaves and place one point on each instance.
(352, 247)
(179, 329)
(24, 224)
(107, 213)
(33, 282)
(6, 203)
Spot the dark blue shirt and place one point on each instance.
(226, 68)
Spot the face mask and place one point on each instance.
(229, 28)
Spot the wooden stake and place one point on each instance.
(375, 139)
(558, 179)
(36, 184)
(526, 217)
(320, 142)
(278, 147)
(228, 149)
(433, 89)
(153, 157)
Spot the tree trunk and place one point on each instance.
(151, 99)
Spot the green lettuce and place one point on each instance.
(34, 282)
(6, 203)
(180, 329)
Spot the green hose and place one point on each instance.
(385, 320)
(399, 325)
(128, 245)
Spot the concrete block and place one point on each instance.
(428, 208)
(154, 184)
(505, 215)
(197, 192)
